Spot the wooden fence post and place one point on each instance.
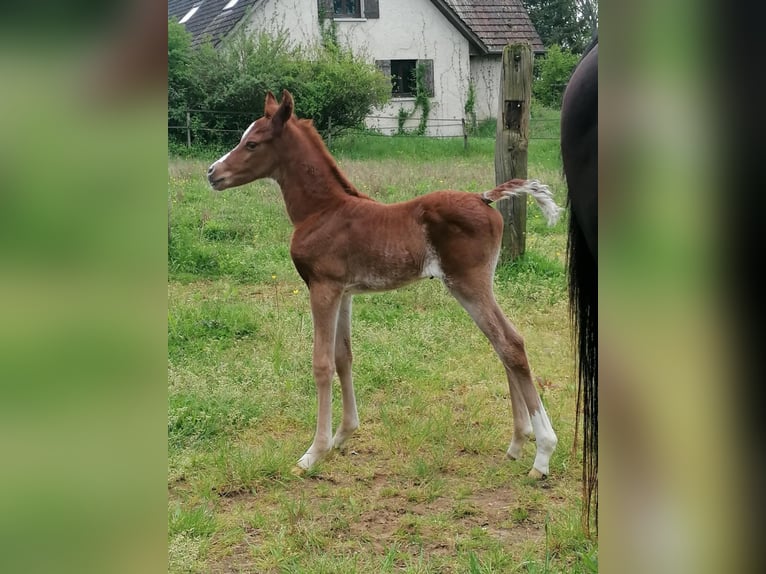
(512, 141)
(188, 129)
(465, 136)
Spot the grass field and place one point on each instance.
(424, 485)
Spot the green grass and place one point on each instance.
(424, 485)
(409, 148)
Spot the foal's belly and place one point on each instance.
(388, 277)
(372, 283)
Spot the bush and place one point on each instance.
(554, 70)
(328, 82)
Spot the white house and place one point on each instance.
(459, 41)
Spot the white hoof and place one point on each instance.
(341, 436)
(536, 474)
(545, 448)
(310, 459)
(518, 441)
(515, 449)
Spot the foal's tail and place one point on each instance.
(516, 187)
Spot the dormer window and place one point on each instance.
(188, 16)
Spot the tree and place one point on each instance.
(588, 10)
(179, 57)
(567, 23)
(555, 70)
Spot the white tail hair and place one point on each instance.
(539, 191)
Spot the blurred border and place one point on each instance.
(83, 154)
(680, 287)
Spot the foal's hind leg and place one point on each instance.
(528, 411)
(343, 359)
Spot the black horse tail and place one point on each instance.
(583, 297)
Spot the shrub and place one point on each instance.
(470, 108)
(329, 83)
(422, 101)
(554, 70)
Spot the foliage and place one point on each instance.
(328, 30)
(422, 101)
(470, 107)
(560, 22)
(402, 117)
(555, 70)
(588, 11)
(331, 85)
(179, 57)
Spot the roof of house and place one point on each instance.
(487, 24)
(210, 18)
(497, 22)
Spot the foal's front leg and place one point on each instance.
(325, 302)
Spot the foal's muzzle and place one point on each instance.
(212, 178)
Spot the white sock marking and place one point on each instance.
(546, 439)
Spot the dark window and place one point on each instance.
(403, 77)
(347, 8)
(402, 74)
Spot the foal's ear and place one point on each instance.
(284, 112)
(270, 105)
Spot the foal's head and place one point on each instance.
(254, 156)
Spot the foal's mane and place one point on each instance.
(307, 128)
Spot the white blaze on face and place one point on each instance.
(244, 136)
(247, 131)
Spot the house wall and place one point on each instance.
(299, 19)
(406, 30)
(485, 74)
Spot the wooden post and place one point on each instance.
(188, 129)
(465, 137)
(511, 143)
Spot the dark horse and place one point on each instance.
(579, 153)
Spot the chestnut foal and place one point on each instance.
(345, 243)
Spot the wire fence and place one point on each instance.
(376, 126)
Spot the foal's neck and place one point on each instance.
(310, 179)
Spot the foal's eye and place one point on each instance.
(251, 145)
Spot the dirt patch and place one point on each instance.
(434, 524)
(237, 558)
(494, 514)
